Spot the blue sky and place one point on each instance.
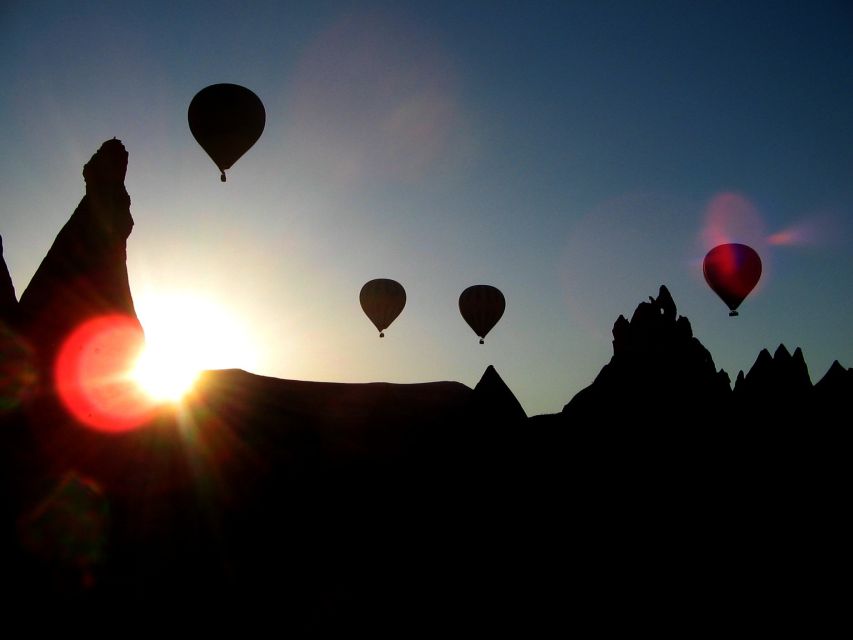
(574, 154)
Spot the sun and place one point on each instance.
(163, 376)
(185, 334)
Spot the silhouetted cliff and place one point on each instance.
(659, 371)
(84, 273)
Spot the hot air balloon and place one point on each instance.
(226, 120)
(382, 301)
(482, 306)
(732, 271)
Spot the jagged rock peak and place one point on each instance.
(792, 367)
(661, 307)
(489, 378)
(655, 355)
(654, 329)
(8, 301)
(835, 369)
(761, 367)
(493, 395)
(781, 373)
(836, 377)
(799, 363)
(108, 202)
(665, 303)
(782, 353)
(652, 322)
(108, 166)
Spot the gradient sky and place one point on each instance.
(574, 154)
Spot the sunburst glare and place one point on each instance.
(184, 335)
(163, 377)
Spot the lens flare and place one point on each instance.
(18, 375)
(375, 96)
(68, 530)
(815, 230)
(93, 374)
(731, 217)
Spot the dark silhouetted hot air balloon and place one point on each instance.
(382, 301)
(482, 306)
(226, 120)
(732, 271)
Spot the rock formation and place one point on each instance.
(779, 375)
(346, 507)
(661, 373)
(18, 375)
(8, 301)
(658, 370)
(836, 383)
(494, 401)
(84, 273)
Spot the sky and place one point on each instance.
(576, 155)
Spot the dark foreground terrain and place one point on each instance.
(661, 498)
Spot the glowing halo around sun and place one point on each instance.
(160, 378)
(185, 334)
(113, 378)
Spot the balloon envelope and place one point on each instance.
(226, 120)
(382, 301)
(732, 271)
(482, 306)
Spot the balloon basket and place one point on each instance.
(732, 314)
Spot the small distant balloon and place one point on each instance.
(732, 270)
(226, 120)
(382, 301)
(482, 306)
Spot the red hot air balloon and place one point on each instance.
(382, 301)
(482, 306)
(226, 120)
(732, 271)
